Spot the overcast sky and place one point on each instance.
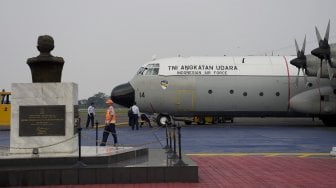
(104, 42)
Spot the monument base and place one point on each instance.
(43, 118)
(99, 165)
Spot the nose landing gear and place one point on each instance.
(163, 119)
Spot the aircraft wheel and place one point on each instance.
(187, 122)
(201, 121)
(162, 120)
(329, 121)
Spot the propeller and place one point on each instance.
(301, 61)
(323, 52)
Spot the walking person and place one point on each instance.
(135, 117)
(110, 121)
(91, 115)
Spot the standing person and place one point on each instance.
(135, 117)
(110, 121)
(91, 115)
(130, 116)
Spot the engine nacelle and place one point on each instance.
(320, 101)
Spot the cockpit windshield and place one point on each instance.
(141, 70)
(149, 69)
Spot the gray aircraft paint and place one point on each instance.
(187, 95)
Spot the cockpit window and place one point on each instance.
(150, 69)
(141, 70)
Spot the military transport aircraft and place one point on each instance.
(241, 86)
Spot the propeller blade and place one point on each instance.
(319, 38)
(297, 47)
(323, 51)
(319, 73)
(331, 74)
(305, 76)
(297, 78)
(326, 36)
(301, 61)
(303, 46)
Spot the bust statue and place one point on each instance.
(45, 67)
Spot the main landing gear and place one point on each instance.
(329, 121)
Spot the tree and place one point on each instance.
(98, 99)
(82, 103)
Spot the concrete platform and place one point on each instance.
(103, 165)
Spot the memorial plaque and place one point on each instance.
(47, 120)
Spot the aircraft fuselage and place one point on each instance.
(226, 86)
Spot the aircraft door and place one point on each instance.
(185, 100)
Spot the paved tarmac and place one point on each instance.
(251, 152)
(245, 135)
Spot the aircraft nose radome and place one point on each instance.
(123, 95)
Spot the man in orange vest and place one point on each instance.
(110, 120)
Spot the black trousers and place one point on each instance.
(130, 120)
(90, 117)
(110, 128)
(135, 121)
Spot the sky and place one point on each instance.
(104, 42)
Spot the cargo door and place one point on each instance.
(185, 100)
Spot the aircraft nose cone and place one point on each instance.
(123, 95)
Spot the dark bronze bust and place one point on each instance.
(45, 67)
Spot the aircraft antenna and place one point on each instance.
(154, 57)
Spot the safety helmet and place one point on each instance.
(109, 101)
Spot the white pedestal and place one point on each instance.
(43, 96)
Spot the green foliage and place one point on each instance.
(98, 99)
